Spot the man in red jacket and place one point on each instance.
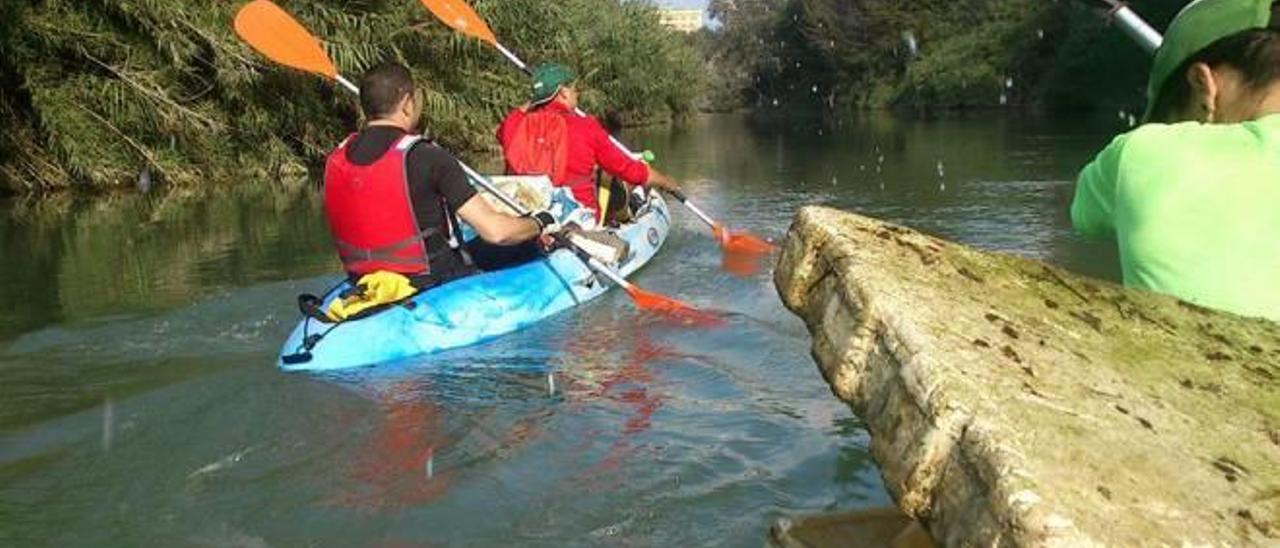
(548, 136)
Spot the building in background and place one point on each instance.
(681, 20)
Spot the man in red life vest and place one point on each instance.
(547, 137)
(393, 198)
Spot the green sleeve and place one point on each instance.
(1093, 209)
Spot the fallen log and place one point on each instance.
(1012, 403)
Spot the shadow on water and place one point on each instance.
(137, 336)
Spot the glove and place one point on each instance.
(547, 223)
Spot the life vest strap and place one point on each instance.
(350, 253)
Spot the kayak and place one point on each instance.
(473, 309)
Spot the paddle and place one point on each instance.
(458, 15)
(279, 37)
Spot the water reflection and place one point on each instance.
(396, 466)
(72, 258)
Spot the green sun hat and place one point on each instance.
(548, 78)
(1201, 23)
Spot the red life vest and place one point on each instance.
(539, 145)
(371, 215)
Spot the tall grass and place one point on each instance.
(94, 92)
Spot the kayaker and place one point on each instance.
(392, 197)
(547, 136)
(1191, 197)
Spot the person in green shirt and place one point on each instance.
(1193, 196)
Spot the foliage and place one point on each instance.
(925, 53)
(95, 91)
(1094, 64)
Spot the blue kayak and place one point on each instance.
(472, 309)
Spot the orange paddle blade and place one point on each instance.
(672, 308)
(743, 265)
(279, 37)
(461, 17)
(741, 242)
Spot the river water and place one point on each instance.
(141, 406)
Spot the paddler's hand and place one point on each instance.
(547, 223)
(550, 241)
(660, 180)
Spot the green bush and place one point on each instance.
(95, 91)
(837, 54)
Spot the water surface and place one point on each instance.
(141, 407)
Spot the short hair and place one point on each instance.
(383, 87)
(1254, 52)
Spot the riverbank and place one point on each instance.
(1010, 402)
(104, 95)
(126, 93)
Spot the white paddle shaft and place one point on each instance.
(595, 265)
(1139, 30)
(347, 84)
(507, 53)
(699, 213)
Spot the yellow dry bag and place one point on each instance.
(371, 290)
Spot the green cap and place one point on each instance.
(548, 78)
(1201, 23)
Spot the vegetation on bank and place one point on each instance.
(95, 92)
(841, 54)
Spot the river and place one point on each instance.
(141, 406)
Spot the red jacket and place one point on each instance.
(589, 146)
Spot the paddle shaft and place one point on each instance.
(347, 84)
(512, 57)
(1139, 30)
(697, 211)
(592, 262)
(1131, 23)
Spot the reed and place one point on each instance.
(94, 92)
